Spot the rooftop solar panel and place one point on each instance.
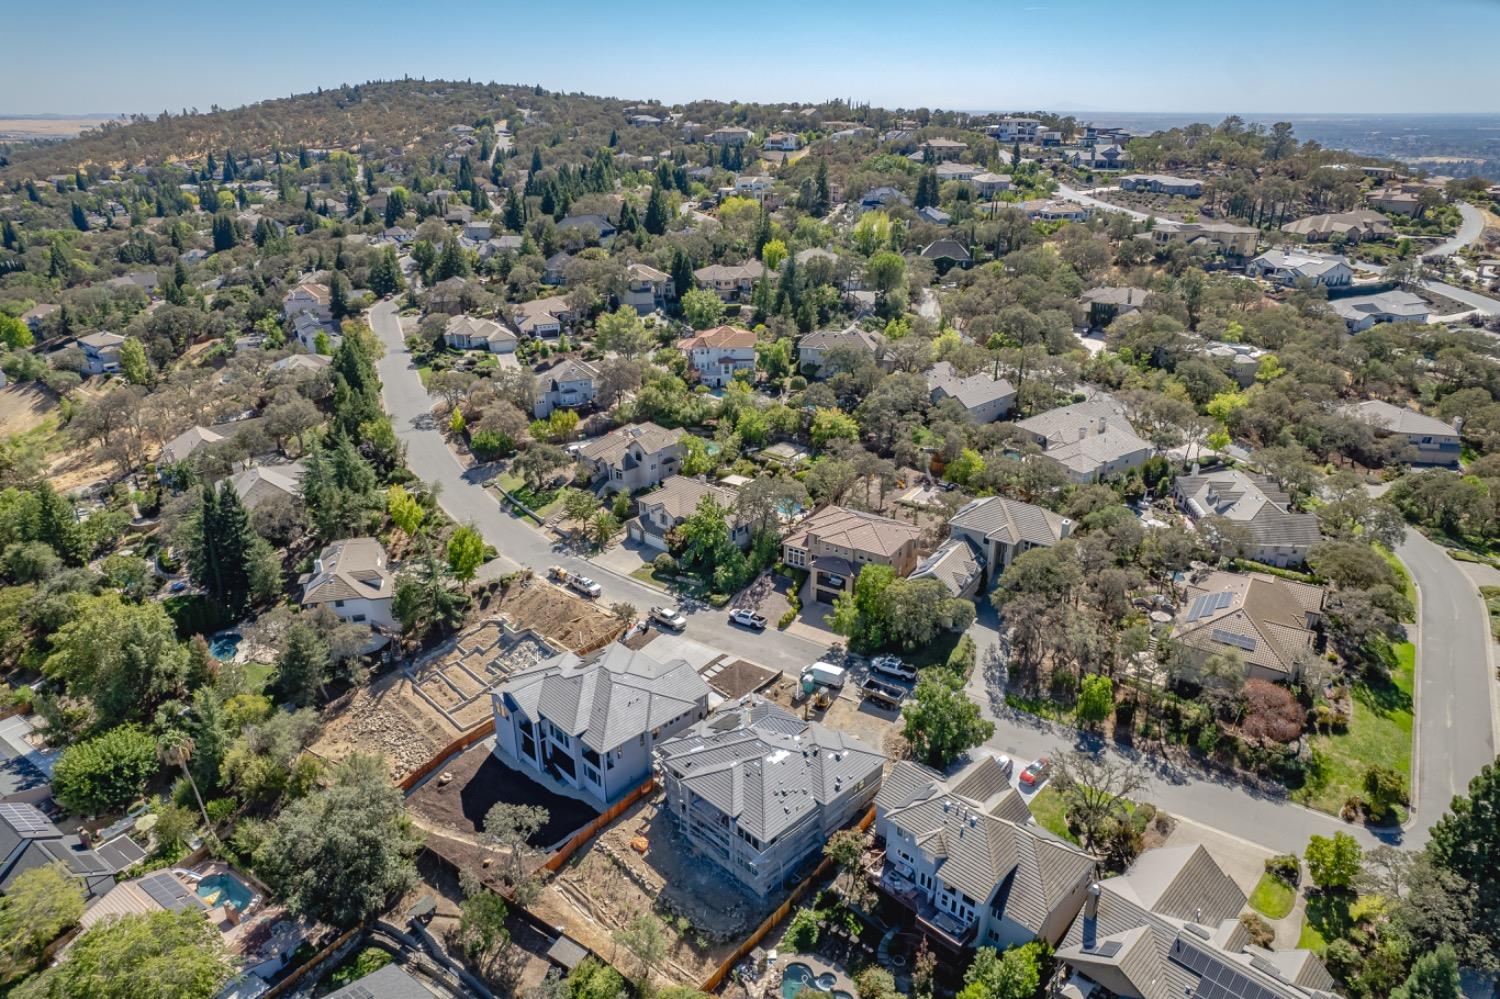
(27, 820)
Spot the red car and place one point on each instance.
(1036, 771)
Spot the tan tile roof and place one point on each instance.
(1258, 617)
(719, 336)
(350, 569)
(855, 530)
(610, 448)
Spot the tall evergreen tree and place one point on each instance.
(226, 233)
(220, 561)
(825, 196)
(682, 273)
(338, 296)
(536, 159)
(515, 211)
(80, 218)
(656, 212)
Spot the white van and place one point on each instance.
(826, 675)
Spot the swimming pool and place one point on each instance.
(224, 889)
(224, 645)
(799, 976)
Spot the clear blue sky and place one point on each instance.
(1100, 55)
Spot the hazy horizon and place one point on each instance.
(1032, 54)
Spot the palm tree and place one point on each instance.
(175, 748)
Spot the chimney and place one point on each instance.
(1091, 906)
(317, 567)
(1101, 424)
(1195, 468)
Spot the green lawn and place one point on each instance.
(1491, 595)
(1272, 897)
(1380, 733)
(257, 675)
(1332, 917)
(1050, 813)
(543, 503)
(1399, 568)
(647, 574)
(1042, 707)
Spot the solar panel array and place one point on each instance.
(1217, 979)
(1230, 638)
(1208, 603)
(169, 893)
(27, 820)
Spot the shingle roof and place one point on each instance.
(254, 484)
(766, 767)
(972, 391)
(1398, 304)
(856, 530)
(389, 982)
(476, 328)
(986, 847)
(1260, 618)
(1120, 296)
(849, 336)
(570, 370)
(1011, 521)
(646, 272)
(1398, 419)
(750, 270)
(181, 447)
(946, 249)
(608, 698)
(1170, 923)
(349, 570)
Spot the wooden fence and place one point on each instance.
(485, 729)
(588, 832)
(286, 984)
(751, 942)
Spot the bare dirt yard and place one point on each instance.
(456, 678)
(479, 782)
(876, 726)
(608, 882)
(557, 615)
(24, 407)
(387, 717)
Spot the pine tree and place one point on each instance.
(212, 167)
(614, 138)
(385, 273)
(302, 670)
(352, 204)
(356, 387)
(338, 296)
(656, 212)
(825, 197)
(8, 234)
(303, 159)
(221, 557)
(59, 267)
(80, 218)
(225, 232)
(451, 262)
(682, 273)
(549, 200)
(762, 231)
(536, 159)
(515, 212)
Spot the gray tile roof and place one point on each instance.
(1398, 419)
(1254, 501)
(1085, 435)
(1011, 521)
(608, 698)
(1262, 619)
(849, 336)
(972, 391)
(955, 564)
(765, 767)
(610, 449)
(389, 982)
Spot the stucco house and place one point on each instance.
(352, 579)
(1293, 267)
(984, 397)
(661, 510)
(835, 543)
(569, 384)
(475, 333)
(1429, 440)
(716, 354)
(634, 457)
(1090, 439)
(1278, 535)
(1268, 623)
(647, 289)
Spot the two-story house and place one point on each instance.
(647, 289)
(758, 790)
(101, 352)
(813, 349)
(1000, 529)
(716, 354)
(730, 281)
(1089, 440)
(308, 296)
(678, 498)
(352, 579)
(965, 858)
(634, 457)
(835, 543)
(1429, 440)
(984, 397)
(787, 142)
(569, 384)
(593, 722)
(542, 318)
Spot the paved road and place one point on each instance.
(463, 495)
(1469, 230)
(1228, 805)
(1073, 194)
(1456, 721)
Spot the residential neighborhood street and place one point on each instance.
(464, 496)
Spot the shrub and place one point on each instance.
(802, 932)
(1286, 867)
(488, 445)
(875, 983)
(786, 619)
(1272, 714)
(963, 657)
(664, 564)
(106, 772)
(1260, 931)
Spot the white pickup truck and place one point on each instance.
(582, 585)
(669, 617)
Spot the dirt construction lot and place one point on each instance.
(386, 717)
(875, 726)
(558, 616)
(608, 882)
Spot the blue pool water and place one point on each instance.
(221, 889)
(224, 645)
(799, 976)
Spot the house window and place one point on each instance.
(338, 603)
(358, 618)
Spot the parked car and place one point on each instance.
(748, 618)
(669, 617)
(586, 586)
(892, 666)
(1036, 772)
(1006, 764)
(826, 675)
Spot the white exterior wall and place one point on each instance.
(364, 610)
